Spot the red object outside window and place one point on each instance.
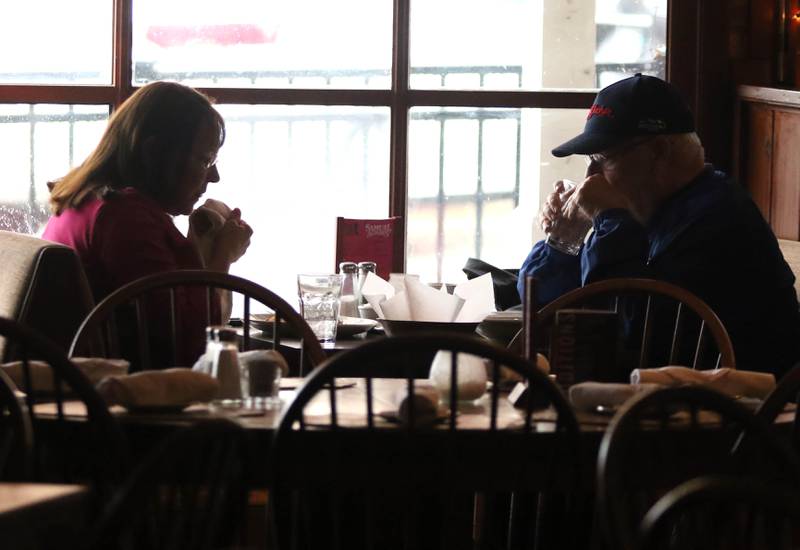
(168, 36)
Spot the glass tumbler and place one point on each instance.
(319, 304)
(568, 241)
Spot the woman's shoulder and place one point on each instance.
(130, 216)
(130, 203)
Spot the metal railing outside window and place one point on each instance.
(29, 216)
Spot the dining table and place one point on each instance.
(144, 430)
(290, 347)
(42, 515)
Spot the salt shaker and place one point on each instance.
(363, 269)
(222, 349)
(348, 301)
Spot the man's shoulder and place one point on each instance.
(721, 199)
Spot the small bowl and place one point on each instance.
(397, 328)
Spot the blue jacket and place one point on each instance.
(709, 238)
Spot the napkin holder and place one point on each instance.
(583, 346)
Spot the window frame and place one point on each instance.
(684, 19)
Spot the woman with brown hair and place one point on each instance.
(154, 161)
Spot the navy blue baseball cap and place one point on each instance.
(637, 106)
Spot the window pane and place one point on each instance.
(41, 143)
(534, 44)
(477, 178)
(252, 43)
(292, 170)
(56, 42)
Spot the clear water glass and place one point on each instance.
(319, 304)
(570, 237)
(261, 382)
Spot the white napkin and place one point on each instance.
(426, 403)
(95, 369)
(478, 296)
(158, 388)
(728, 381)
(425, 303)
(396, 307)
(415, 301)
(587, 396)
(376, 290)
(204, 362)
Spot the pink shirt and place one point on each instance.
(128, 236)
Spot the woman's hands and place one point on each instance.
(233, 238)
(230, 242)
(220, 234)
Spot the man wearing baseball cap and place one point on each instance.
(657, 210)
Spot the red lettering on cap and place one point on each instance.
(599, 110)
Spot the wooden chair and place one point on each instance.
(62, 450)
(189, 492)
(43, 286)
(650, 447)
(785, 392)
(718, 512)
(351, 479)
(16, 433)
(120, 325)
(791, 253)
(380, 241)
(660, 324)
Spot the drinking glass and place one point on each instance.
(319, 304)
(261, 381)
(569, 240)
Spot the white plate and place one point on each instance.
(350, 326)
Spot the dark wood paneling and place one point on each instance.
(758, 160)
(785, 219)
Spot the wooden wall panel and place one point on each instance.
(785, 218)
(758, 162)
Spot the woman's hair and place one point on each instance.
(145, 146)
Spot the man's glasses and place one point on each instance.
(616, 152)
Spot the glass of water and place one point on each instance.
(319, 304)
(570, 238)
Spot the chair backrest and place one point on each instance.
(791, 253)
(380, 241)
(16, 433)
(660, 439)
(43, 285)
(398, 484)
(659, 324)
(786, 392)
(143, 322)
(93, 451)
(718, 512)
(188, 492)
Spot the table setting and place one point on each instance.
(749, 388)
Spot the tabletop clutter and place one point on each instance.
(226, 377)
(251, 379)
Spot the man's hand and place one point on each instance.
(594, 195)
(557, 218)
